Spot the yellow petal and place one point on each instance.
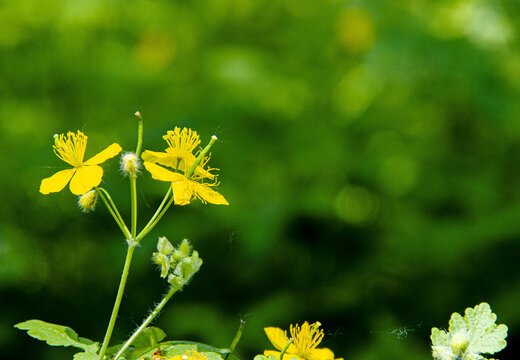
(85, 178)
(209, 195)
(160, 173)
(277, 337)
(320, 354)
(104, 155)
(286, 356)
(182, 192)
(157, 157)
(56, 182)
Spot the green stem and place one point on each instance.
(109, 203)
(148, 320)
(139, 134)
(157, 216)
(117, 303)
(236, 339)
(133, 199)
(201, 156)
(285, 348)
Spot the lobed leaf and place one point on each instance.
(485, 336)
(57, 335)
(173, 348)
(470, 335)
(85, 356)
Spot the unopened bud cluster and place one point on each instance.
(178, 265)
(87, 202)
(129, 163)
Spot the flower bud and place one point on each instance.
(164, 246)
(87, 201)
(129, 163)
(184, 248)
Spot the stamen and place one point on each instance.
(70, 148)
(307, 337)
(185, 139)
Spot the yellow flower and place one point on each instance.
(306, 339)
(179, 156)
(190, 355)
(85, 174)
(184, 189)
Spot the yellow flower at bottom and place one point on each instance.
(184, 189)
(304, 347)
(85, 174)
(190, 355)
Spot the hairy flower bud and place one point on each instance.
(129, 163)
(164, 246)
(184, 248)
(87, 201)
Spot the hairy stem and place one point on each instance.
(148, 320)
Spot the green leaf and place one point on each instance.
(485, 337)
(263, 357)
(57, 335)
(148, 340)
(85, 356)
(173, 348)
(469, 336)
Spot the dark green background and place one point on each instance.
(370, 152)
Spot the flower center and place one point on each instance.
(71, 147)
(185, 139)
(307, 337)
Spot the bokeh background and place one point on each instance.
(370, 151)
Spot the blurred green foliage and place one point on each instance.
(370, 152)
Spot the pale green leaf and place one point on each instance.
(173, 348)
(85, 356)
(470, 336)
(57, 335)
(263, 357)
(440, 337)
(485, 337)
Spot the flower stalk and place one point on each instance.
(149, 319)
(236, 339)
(282, 353)
(119, 297)
(109, 203)
(161, 210)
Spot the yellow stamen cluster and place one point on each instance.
(190, 355)
(303, 344)
(188, 172)
(307, 337)
(71, 147)
(185, 139)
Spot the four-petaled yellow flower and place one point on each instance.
(85, 174)
(179, 156)
(190, 355)
(306, 339)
